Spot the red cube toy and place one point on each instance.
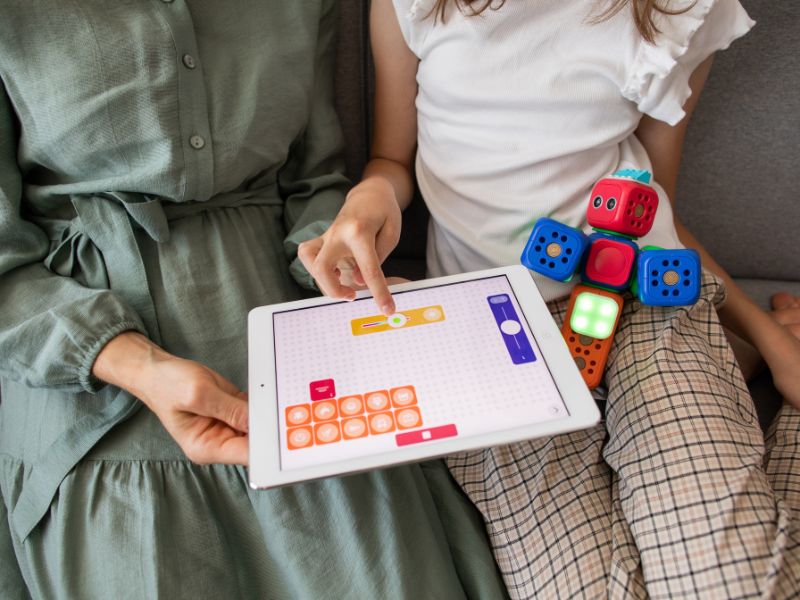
(622, 206)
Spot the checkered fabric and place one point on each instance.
(675, 495)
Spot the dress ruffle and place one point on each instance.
(173, 529)
(656, 83)
(416, 20)
(420, 9)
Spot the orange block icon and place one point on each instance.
(403, 396)
(408, 418)
(377, 401)
(299, 437)
(327, 433)
(354, 428)
(381, 423)
(299, 414)
(325, 410)
(351, 405)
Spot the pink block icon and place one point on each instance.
(426, 435)
(324, 389)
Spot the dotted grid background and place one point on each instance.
(460, 367)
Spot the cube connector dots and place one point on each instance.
(555, 250)
(668, 277)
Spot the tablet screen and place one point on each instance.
(456, 360)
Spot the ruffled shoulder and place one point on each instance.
(420, 9)
(416, 20)
(658, 80)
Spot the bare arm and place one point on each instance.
(394, 141)
(781, 350)
(368, 227)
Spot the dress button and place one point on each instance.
(188, 61)
(197, 142)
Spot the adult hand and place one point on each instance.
(205, 413)
(350, 253)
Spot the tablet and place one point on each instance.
(467, 361)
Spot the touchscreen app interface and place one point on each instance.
(453, 361)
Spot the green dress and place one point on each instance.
(160, 160)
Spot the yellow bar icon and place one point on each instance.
(399, 320)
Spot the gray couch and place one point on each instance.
(740, 181)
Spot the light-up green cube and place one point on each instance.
(594, 315)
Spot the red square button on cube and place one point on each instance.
(609, 262)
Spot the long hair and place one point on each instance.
(644, 11)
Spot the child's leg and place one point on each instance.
(547, 508)
(783, 471)
(685, 442)
(553, 515)
(747, 357)
(783, 457)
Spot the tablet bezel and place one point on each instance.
(264, 436)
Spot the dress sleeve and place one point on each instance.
(51, 327)
(312, 182)
(659, 78)
(416, 19)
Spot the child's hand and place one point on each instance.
(350, 253)
(782, 348)
(786, 310)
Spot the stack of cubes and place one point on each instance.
(621, 209)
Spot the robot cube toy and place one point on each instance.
(593, 312)
(590, 354)
(555, 250)
(609, 262)
(625, 206)
(668, 277)
(621, 209)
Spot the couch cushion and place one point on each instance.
(762, 290)
(353, 83)
(740, 178)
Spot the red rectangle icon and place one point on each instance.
(426, 435)
(324, 389)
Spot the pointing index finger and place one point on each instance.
(369, 265)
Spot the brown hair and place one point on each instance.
(644, 11)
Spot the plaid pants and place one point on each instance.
(677, 494)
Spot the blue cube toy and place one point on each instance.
(668, 277)
(554, 249)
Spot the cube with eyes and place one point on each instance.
(622, 206)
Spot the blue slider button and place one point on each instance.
(517, 343)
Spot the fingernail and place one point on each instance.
(387, 309)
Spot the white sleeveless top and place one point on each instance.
(520, 110)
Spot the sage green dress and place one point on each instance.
(160, 160)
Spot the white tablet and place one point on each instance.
(468, 361)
